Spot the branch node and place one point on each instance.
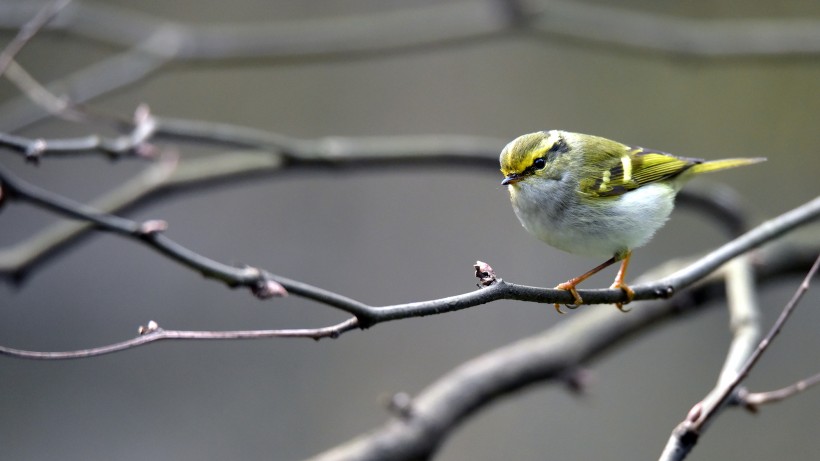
(741, 398)
(578, 380)
(687, 434)
(695, 413)
(400, 405)
(665, 291)
(333, 335)
(146, 150)
(145, 125)
(35, 150)
(153, 226)
(265, 288)
(146, 329)
(142, 114)
(485, 273)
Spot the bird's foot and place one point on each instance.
(630, 295)
(569, 286)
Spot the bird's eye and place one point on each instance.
(539, 163)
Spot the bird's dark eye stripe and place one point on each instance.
(558, 147)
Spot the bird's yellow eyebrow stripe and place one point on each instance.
(626, 162)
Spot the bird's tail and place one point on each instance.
(716, 165)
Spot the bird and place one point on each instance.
(593, 196)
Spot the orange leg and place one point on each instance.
(619, 283)
(570, 284)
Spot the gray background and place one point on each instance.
(391, 236)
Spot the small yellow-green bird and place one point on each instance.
(593, 196)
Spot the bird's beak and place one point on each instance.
(512, 178)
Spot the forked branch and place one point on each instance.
(686, 435)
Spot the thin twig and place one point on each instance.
(760, 234)
(744, 322)
(98, 79)
(40, 95)
(763, 345)
(704, 38)
(134, 143)
(476, 151)
(685, 436)
(22, 190)
(778, 261)
(45, 13)
(752, 400)
(280, 152)
(16, 74)
(153, 333)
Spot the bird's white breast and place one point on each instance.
(557, 215)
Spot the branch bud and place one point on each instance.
(150, 328)
(267, 288)
(485, 273)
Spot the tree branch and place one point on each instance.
(752, 400)
(153, 333)
(19, 189)
(764, 232)
(428, 419)
(462, 150)
(686, 435)
(261, 282)
(281, 152)
(704, 38)
(418, 430)
(45, 13)
(134, 143)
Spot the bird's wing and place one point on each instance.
(632, 168)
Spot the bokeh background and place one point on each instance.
(396, 235)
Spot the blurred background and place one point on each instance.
(396, 235)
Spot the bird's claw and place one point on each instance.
(567, 286)
(630, 295)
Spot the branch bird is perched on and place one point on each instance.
(593, 196)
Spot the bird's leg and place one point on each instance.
(570, 284)
(619, 283)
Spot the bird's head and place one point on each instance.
(538, 155)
